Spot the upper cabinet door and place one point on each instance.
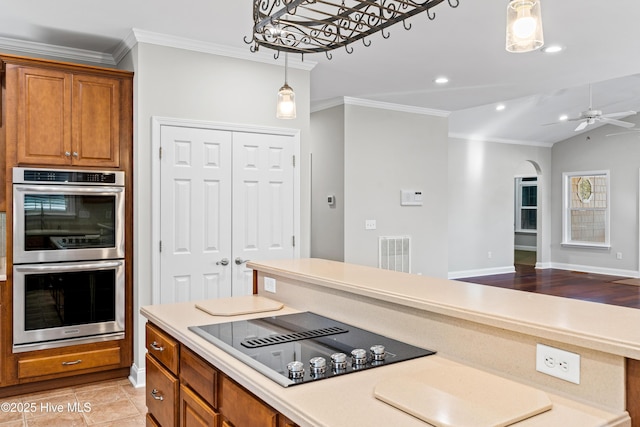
(96, 121)
(68, 119)
(43, 116)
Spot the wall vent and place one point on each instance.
(394, 253)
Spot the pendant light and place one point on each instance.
(286, 107)
(524, 26)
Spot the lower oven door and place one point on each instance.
(61, 304)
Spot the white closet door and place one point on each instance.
(263, 210)
(195, 214)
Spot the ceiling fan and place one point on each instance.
(591, 116)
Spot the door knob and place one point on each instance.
(223, 261)
(240, 261)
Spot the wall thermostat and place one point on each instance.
(411, 198)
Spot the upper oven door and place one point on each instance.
(67, 223)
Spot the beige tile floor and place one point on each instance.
(110, 403)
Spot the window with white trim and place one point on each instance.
(526, 204)
(586, 208)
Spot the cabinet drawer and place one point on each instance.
(72, 362)
(162, 393)
(199, 375)
(151, 422)
(163, 347)
(195, 412)
(241, 408)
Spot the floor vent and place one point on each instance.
(394, 253)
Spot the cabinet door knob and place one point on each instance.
(67, 153)
(155, 395)
(75, 154)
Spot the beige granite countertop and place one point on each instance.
(347, 400)
(586, 324)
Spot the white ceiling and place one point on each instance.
(466, 43)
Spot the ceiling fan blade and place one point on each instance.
(581, 126)
(617, 122)
(620, 114)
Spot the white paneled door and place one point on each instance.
(226, 197)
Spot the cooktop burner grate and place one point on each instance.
(296, 336)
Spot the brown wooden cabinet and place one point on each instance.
(205, 396)
(63, 115)
(240, 408)
(194, 411)
(58, 115)
(39, 366)
(162, 385)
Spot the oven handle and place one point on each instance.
(80, 266)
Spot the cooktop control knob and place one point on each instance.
(359, 357)
(339, 361)
(377, 353)
(296, 370)
(318, 365)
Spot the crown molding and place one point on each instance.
(501, 140)
(346, 100)
(141, 36)
(58, 52)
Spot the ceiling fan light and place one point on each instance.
(524, 26)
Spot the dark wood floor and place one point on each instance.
(570, 284)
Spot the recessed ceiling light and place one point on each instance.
(441, 80)
(500, 107)
(563, 118)
(554, 48)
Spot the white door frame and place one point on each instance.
(156, 124)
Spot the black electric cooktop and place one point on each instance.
(298, 348)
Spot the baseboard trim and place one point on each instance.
(595, 270)
(525, 248)
(137, 376)
(481, 272)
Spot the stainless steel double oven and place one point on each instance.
(68, 257)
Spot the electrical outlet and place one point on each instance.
(370, 224)
(270, 284)
(558, 363)
(619, 255)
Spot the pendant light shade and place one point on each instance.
(524, 26)
(286, 106)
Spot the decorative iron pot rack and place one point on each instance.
(312, 26)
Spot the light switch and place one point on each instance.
(370, 224)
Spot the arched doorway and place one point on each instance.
(527, 224)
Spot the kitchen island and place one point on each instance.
(491, 331)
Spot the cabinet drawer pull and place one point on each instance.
(155, 395)
(75, 362)
(154, 345)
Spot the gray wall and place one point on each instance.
(381, 151)
(327, 178)
(387, 151)
(621, 156)
(481, 204)
(180, 83)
